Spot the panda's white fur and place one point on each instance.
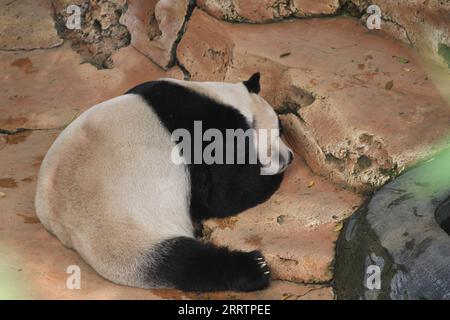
(108, 189)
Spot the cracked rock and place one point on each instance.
(327, 77)
(266, 10)
(156, 27)
(423, 24)
(100, 34)
(205, 52)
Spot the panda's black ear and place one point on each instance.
(252, 84)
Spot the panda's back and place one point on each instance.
(108, 189)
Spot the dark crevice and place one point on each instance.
(153, 30)
(173, 53)
(147, 57)
(399, 26)
(15, 131)
(20, 130)
(348, 8)
(34, 49)
(442, 215)
(290, 108)
(186, 73)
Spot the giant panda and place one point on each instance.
(109, 189)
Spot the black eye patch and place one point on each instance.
(280, 127)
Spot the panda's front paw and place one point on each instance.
(254, 272)
(261, 262)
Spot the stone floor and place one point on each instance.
(34, 263)
(336, 87)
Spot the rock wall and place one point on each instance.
(423, 24)
(342, 91)
(100, 34)
(266, 10)
(156, 27)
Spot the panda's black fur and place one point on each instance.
(217, 190)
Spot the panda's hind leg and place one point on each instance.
(190, 265)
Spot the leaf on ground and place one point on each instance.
(280, 219)
(285, 54)
(76, 114)
(338, 227)
(311, 184)
(402, 60)
(389, 85)
(286, 296)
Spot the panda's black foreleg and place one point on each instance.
(190, 265)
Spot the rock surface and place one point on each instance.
(33, 263)
(266, 10)
(55, 86)
(27, 25)
(100, 32)
(403, 232)
(345, 93)
(423, 24)
(156, 27)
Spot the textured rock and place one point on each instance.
(27, 25)
(266, 10)
(404, 232)
(334, 76)
(100, 34)
(55, 86)
(155, 27)
(205, 52)
(295, 229)
(424, 24)
(278, 290)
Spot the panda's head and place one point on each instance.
(273, 153)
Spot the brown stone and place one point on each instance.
(100, 33)
(423, 24)
(55, 87)
(155, 27)
(27, 25)
(206, 53)
(261, 11)
(333, 80)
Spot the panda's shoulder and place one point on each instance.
(179, 104)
